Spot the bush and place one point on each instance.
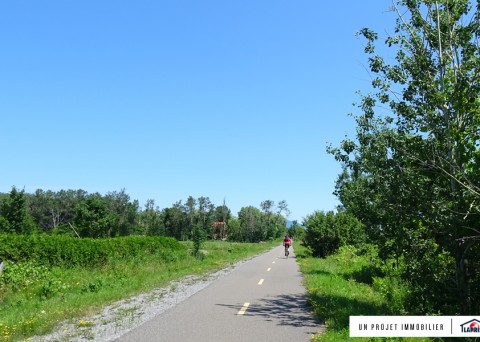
(326, 232)
(431, 272)
(60, 250)
(20, 276)
(395, 292)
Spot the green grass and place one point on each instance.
(341, 286)
(43, 297)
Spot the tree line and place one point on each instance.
(78, 213)
(411, 176)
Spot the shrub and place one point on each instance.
(61, 250)
(326, 232)
(18, 276)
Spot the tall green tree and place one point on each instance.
(150, 219)
(92, 218)
(14, 217)
(55, 211)
(235, 231)
(282, 215)
(222, 213)
(268, 217)
(414, 165)
(176, 221)
(251, 223)
(191, 211)
(124, 210)
(206, 217)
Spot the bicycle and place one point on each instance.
(287, 252)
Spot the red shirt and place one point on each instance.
(287, 241)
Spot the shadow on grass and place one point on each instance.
(364, 275)
(317, 272)
(337, 310)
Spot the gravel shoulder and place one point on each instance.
(125, 315)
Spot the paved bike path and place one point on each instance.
(277, 307)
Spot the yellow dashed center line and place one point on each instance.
(260, 282)
(243, 309)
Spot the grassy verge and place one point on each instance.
(42, 297)
(341, 286)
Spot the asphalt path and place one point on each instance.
(263, 300)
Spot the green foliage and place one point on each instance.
(151, 221)
(124, 212)
(256, 226)
(235, 231)
(296, 231)
(251, 223)
(198, 238)
(320, 235)
(61, 250)
(411, 175)
(14, 215)
(333, 292)
(77, 213)
(175, 221)
(395, 292)
(18, 276)
(351, 283)
(326, 232)
(53, 211)
(222, 213)
(4, 225)
(92, 218)
(93, 286)
(431, 271)
(51, 288)
(35, 298)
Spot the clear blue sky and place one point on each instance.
(167, 99)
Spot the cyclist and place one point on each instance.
(287, 242)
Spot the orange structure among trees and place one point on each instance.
(219, 230)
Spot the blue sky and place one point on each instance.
(233, 100)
